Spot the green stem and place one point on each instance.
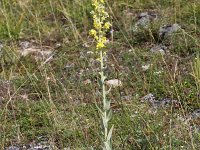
(103, 80)
(104, 95)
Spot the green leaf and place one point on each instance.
(105, 121)
(107, 145)
(109, 116)
(107, 105)
(99, 109)
(110, 133)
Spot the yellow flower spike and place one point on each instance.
(97, 25)
(93, 32)
(94, 17)
(96, 38)
(99, 16)
(107, 25)
(102, 1)
(103, 39)
(100, 45)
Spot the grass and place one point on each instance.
(48, 96)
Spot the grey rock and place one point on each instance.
(159, 49)
(163, 103)
(42, 143)
(168, 29)
(25, 44)
(195, 114)
(126, 98)
(69, 65)
(149, 98)
(13, 148)
(192, 116)
(166, 102)
(1, 100)
(38, 146)
(1, 46)
(145, 18)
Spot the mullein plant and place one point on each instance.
(100, 27)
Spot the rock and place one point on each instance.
(1, 100)
(145, 18)
(163, 103)
(13, 148)
(90, 52)
(41, 144)
(166, 102)
(146, 67)
(25, 44)
(85, 45)
(126, 98)
(114, 83)
(69, 65)
(1, 46)
(195, 114)
(149, 97)
(159, 49)
(29, 48)
(168, 29)
(5, 87)
(193, 120)
(86, 82)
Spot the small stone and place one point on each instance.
(195, 114)
(167, 102)
(58, 45)
(70, 65)
(145, 67)
(168, 29)
(13, 148)
(157, 72)
(159, 49)
(145, 18)
(86, 82)
(90, 52)
(25, 44)
(1, 100)
(85, 45)
(149, 97)
(126, 98)
(114, 83)
(1, 46)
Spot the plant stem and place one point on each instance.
(105, 104)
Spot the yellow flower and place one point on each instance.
(100, 25)
(107, 25)
(95, 3)
(103, 39)
(94, 17)
(93, 32)
(97, 24)
(100, 45)
(102, 1)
